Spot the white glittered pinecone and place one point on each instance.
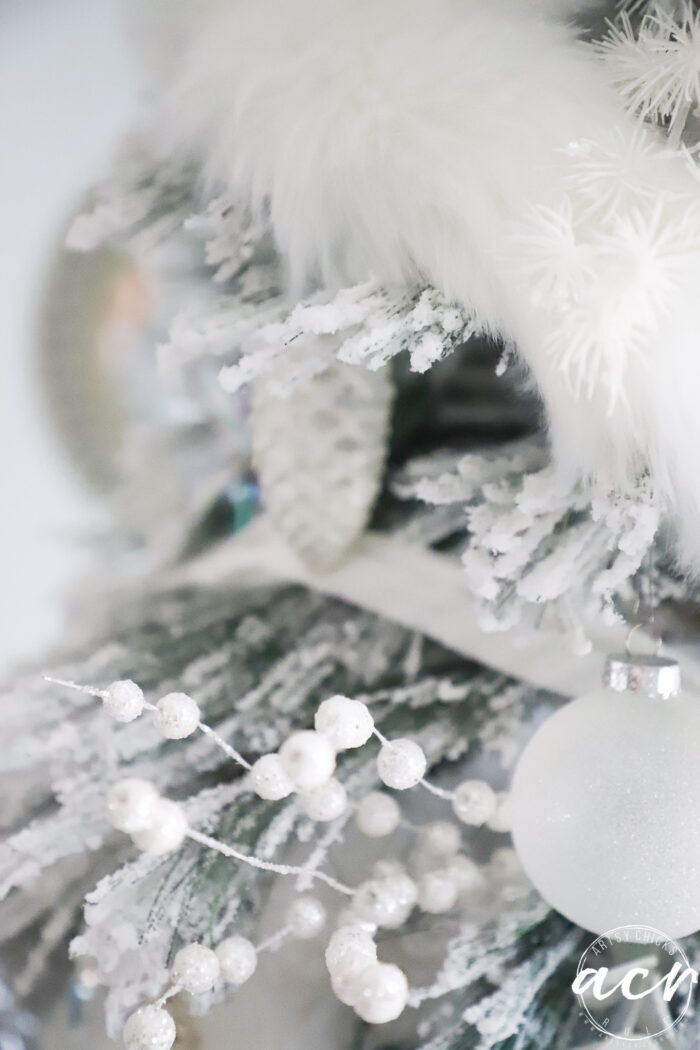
(320, 450)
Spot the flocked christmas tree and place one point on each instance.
(433, 364)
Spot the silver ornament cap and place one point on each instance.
(654, 676)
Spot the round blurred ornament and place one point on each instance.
(88, 300)
(605, 802)
(166, 445)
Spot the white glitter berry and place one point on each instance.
(377, 815)
(350, 949)
(177, 716)
(380, 993)
(465, 873)
(474, 802)
(401, 764)
(308, 759)
(269, 779)
(195, 968)
(123, 700)
(306, 917)
(385, 901)
(500, 819)
(166, 833)
(437, 892)
(325, 802)
(150, 1028)
(132, 804)
(347, 723)
(238, 959)
(440, 838)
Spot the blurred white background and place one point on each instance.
(68, 91)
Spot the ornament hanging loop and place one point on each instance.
(630, 636)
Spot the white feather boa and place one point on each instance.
(477, 146)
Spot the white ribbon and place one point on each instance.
(414, 587)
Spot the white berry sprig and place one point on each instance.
(175, 716)
(304, 764)
(306, 761)
(197, 969)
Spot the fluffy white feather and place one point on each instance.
(478, 147)
(658, 70)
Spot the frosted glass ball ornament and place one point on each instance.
(326, 802)
(176, 716)
(196, 969)
(401, 764)
(308, 759)
(474, 802)
(347, 723)
(377, 815)
(123, 700)
(605, 800)
(305, 917)
(132, 804)
(379, 993)
(150, 1028)
(238, 959)
(269, 779)
(167, 831)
